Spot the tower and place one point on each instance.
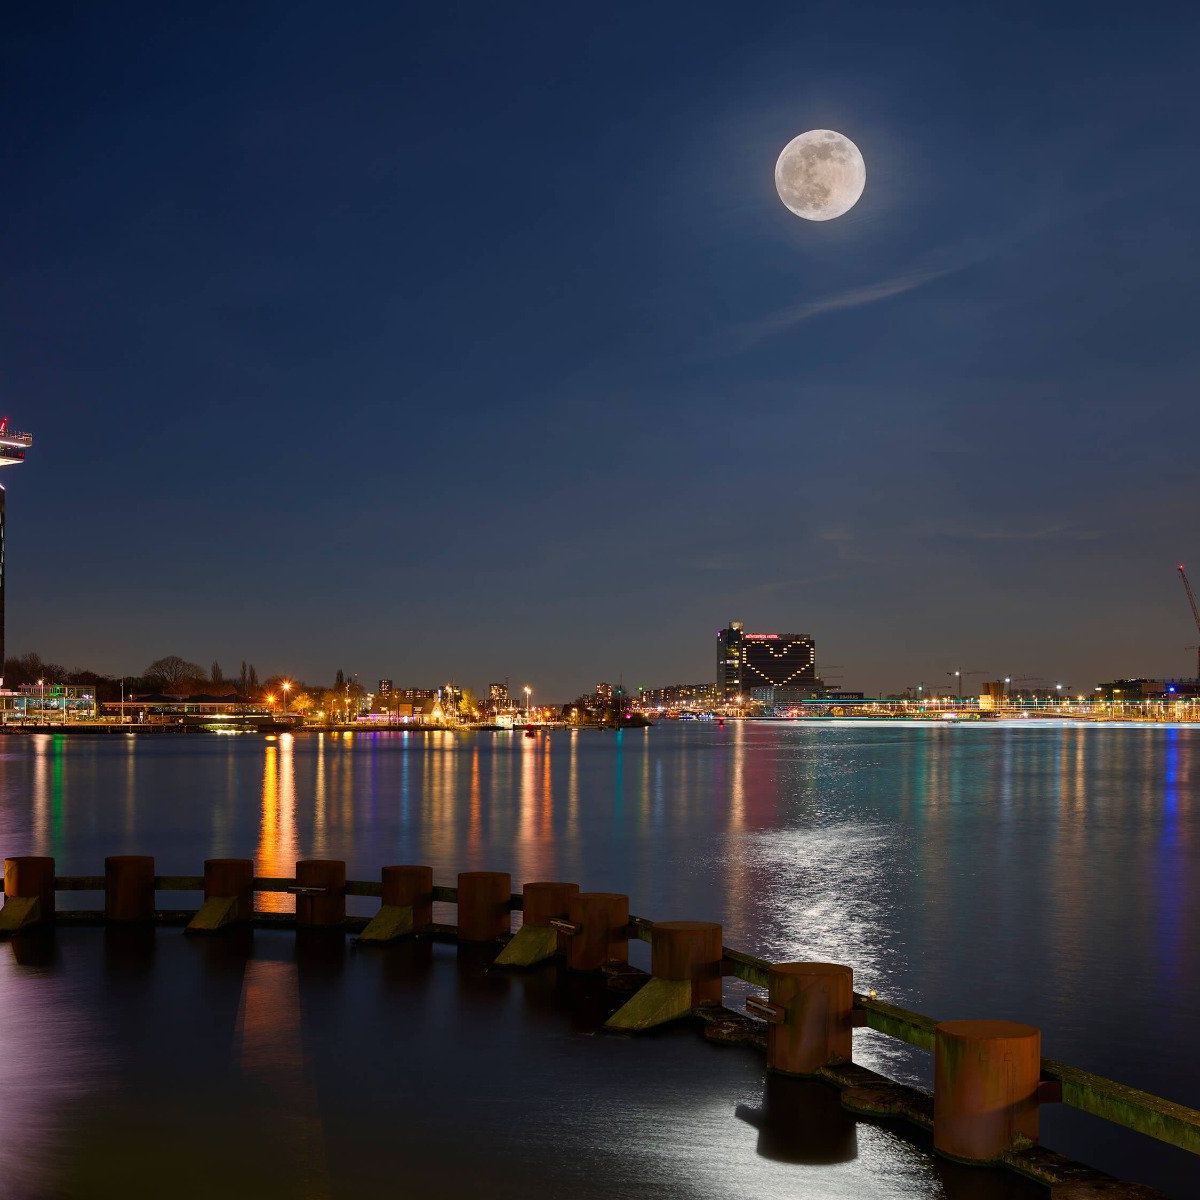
(12, 451)
(730, 645)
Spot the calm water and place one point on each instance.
(1041, 873)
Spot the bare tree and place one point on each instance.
(171, 671)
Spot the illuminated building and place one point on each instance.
(774, 668)
(729, 661)
(678, 695)
(385, 686)
(498, 697)
(12, 451)
(49, 704)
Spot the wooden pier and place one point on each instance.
(990, 1078)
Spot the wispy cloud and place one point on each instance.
(856, 297)
(1059, 532)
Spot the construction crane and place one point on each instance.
(959, 676)
(1195, 611)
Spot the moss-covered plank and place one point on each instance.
(746, 966)
(18, 913)
(390, 922)
(215, 913)
(531, 944)
(914, 1028)
(660, 1001)
(1165, 1120)
(179, 883)
(79, 883)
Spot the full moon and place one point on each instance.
(820, 175)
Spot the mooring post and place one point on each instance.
(810, 1014)
(28, 893)
(985, 1088)
(685, 969)
(689, 950)
(538, 939)
(596, 930)
(407, 905)
(411, 887)
(231, 877)
(320, 892)
(483, 905)
(129, 887)
(228, 894)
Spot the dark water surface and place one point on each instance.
(1035, 872)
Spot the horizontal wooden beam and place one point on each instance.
(79, 883)
(912, 1027)
(179, 883)
(1164, 1120)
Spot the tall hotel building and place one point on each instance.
(776, 668)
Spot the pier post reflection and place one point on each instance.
(277, 854)
(802, 1121)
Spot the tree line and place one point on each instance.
(171, 676)
(176, 676)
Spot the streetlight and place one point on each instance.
(287, 687)
(41, 699)
(528, 692)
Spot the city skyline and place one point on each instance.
(342, 397)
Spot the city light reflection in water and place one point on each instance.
(1042, 873)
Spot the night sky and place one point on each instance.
(464, 341)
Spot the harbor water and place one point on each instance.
(1045, 873)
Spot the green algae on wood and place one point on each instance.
(390, 922)
(660, 1001)
(19, 912)
(531, 944)
(215, 913)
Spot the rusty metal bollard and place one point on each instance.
(320, 892)
(986, 1088)
(28, 893)
(410, 887)
(545, 902)
(688, 950)
(596, 930)
(685, 969)
(539, 938)
(483, 905)
(407, 905)
(228, 895)
(810, 1014)
(232, 877)
(129, 887)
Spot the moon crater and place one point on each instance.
(820, 175)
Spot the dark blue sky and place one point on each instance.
(464, 341)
